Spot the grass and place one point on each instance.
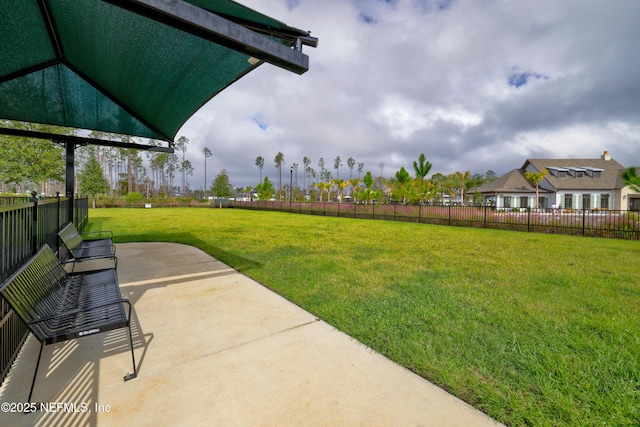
(532, 329)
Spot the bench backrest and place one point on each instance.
(37, 290)
(70, 237)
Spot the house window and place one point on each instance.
(507, 201)
(562, 174)
(604, 201)
(579, 174)
(568, 201)
(596, 174)
(524, 202)
(543, 202)
(586, 201)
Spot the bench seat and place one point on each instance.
(85, 250)
(57, 306)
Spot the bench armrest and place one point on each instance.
(81, 310)
(109, 232)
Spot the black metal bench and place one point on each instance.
(57, 306)
(84, 250)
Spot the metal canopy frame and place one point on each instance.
(250, 38)
(79, 140)
(266, 40)
(200, 22)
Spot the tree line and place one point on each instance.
(28, 164)
(322, 185)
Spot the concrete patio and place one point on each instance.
(215, 348)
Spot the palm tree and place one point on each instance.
(336, 165)
(422, 169)
(260, 165)
(401, 183)
(340, 184)
(354, 183)
(351, 162)
(322, 186)
(307, 163)
(279, 160)
(535, 178)
(631, 178)
(207, 153)
(461, 179)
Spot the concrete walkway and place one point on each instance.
(215, 348)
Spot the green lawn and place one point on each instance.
(531, 329)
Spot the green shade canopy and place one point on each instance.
(134, 67)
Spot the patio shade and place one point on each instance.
(134, 67)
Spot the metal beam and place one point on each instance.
(192, 19)
(79, 140)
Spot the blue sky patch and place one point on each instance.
(259, 120)
(291, 4)
(518, 79)
(429, 6)
(444, 4)
(370, 10)
(367, 19)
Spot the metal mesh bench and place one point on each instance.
(84, 250)
(57, 306)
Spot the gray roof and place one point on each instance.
(610, 171)
(515, 182)
(511, 182)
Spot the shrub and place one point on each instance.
(134, 197)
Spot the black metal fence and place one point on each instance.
(26, 224)
(589, 223)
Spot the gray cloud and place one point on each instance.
(475, 85)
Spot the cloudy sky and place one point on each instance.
(473, 84)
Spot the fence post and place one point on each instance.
(449, 213)
(34, 223)
(529, 220)
(57, 211)
(485, 216)
(583, 220)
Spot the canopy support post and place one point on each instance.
(70, 149)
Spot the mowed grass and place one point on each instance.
(532, 329)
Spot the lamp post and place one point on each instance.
(291, 189)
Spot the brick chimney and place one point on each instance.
(605, 156)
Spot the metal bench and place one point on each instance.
(57, 306)
(84, 250)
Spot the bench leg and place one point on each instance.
(35, 374)
(133, 357)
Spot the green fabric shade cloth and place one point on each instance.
(106, 66)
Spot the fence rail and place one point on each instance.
(25, 226)
(589, 223)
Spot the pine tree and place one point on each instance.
(92, 180)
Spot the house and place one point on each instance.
(569, 184)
